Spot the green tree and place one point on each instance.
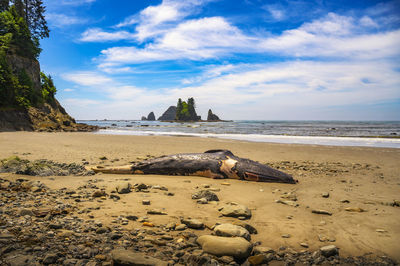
(4, 5)
(178, 109)
(191, 109)
(33, 13)
(48, 88)
(21, 40)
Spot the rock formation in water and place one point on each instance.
(212, 117)
(168, 115)
(151, 117)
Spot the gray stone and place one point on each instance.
(233, 209)
(236, 247)
(50, 258)
(123, 188)
(126, 257)
(207, 194)
(24, 212)
(328, 251)
(193, 223)
(246, 226)
(231, 230)
(180, 227)
(20, 260)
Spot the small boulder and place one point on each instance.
(206, 194)
(231, 230)
(127, 257)
(233, 209)
(123, 188)
(328, 251)
(193, 223)
(236, 247)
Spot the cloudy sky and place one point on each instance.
(244, 59)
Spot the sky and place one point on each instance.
(244, 59)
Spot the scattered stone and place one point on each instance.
(148, 224)
(329, 251)
(156, 212)
(260, 250)
(288, 202)
(230, 230)
(180, 227)
(115, 197)
(233, 209)
(24, 212)
(344, 201)
(325, 194)
(146, 202)
(258, 259)
(304, 245)
(381, 231)
(123, 188)
(193, 223)
(285, 236)
(246, 226)
(50, 258)
(131, 217)
(202, 201)
(355, 209)
(99, 193)
(236, 247)
(126, 257)
(207, 194)
(324, 212)
(225, 184)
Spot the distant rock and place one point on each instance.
(168, 115)
(212, 117)
(151, 117)
(143, 118)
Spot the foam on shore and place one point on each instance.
(312, 140)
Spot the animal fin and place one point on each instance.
(226, 152)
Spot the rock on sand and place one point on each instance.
(233, 209)
(236, 247)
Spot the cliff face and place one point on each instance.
(168, 115)
(46, 117)
(212, 117)
(32, 68)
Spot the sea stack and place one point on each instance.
(212, 117)
(151, 117)
(168, 115)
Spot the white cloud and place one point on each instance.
(214, 37)
(68, 90)
(98, 35)
(62, 20)
(276, 12)
(87, 78)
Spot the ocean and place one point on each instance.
(337, 133)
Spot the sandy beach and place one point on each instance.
(356, 179)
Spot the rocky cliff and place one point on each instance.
(48, 116)
(168, 115)
(45, 118)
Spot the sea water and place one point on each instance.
(340, 133)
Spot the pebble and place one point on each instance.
(180, 227)
(355, 209)
(324, 212)
(146, 202)
(207, 194)
(192, 223)
(127, 257)
(325, 194)
(202, 201)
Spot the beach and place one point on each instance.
(358, 186)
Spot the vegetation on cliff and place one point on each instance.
(185, 111)
(22, 24)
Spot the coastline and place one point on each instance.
(367, 177)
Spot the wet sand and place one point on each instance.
(354, 177)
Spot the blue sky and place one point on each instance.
(244, 59)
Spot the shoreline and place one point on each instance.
(355, 177)
(362, 141)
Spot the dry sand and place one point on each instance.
(369, 178)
